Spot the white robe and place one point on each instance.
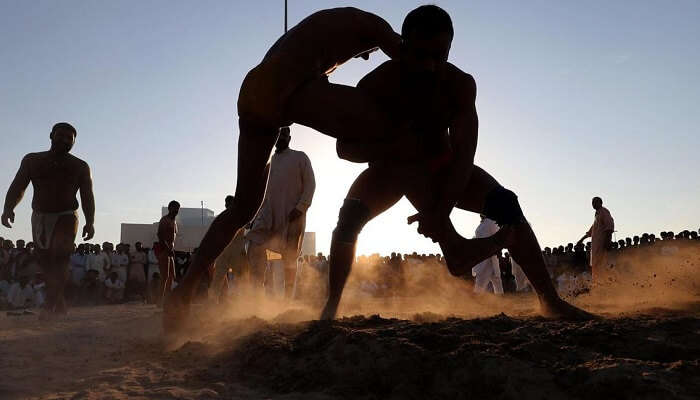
(488, 270)
(603, 222)
(521, 281)
(291, 185)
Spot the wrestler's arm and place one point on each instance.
(384, 36)
(464, 133)
(87, 201)
(16, 191)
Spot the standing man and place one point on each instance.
(601, 238)
(488, 270)
(56, 176)
(279, 225)
(167, 230)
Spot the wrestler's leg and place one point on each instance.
(57, 261)
(165, 278)
(485, 195)
(340, 111)
(373, 192)
(255, 144)
(460, 255)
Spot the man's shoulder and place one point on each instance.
(460, 79)
(78, 162)
(299, 154)
(35, 157)
(381, 73)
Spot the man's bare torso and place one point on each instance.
(56, 181)
(430, 108)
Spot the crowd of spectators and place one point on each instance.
(103, 274)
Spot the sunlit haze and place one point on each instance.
(575, 100)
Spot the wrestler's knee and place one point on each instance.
(503, 207)
(352, 218)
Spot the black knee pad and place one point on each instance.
(352, 218)
(502, 206)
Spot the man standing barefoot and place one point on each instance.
(56, 176)
(167, 230)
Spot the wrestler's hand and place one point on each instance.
(88, 232)
(294, 214)
(7, 217)
(365, 54)
(430, 225)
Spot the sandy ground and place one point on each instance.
(114, 352)
(441, 342)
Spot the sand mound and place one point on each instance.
(498, 357)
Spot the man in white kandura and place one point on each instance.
(280, 222)
(488, 270)
(601, 239)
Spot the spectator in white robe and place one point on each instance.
(280, 222)
(120, 262)
(137, 265)
(489, 270)
(21, 294)
(78, 262)
(99, 261)
(39, 287)
(601, 239)
(153, 267)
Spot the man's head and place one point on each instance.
(138, 246)
(173, 208)
(20, 244)
(229, 201)
(426, 35)
(597, 202)
(283, 139)
(62, 137)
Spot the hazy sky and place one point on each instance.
(575, 99)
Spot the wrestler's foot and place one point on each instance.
(560, 309)
(461, 254)
(175, 312)
(330, 310)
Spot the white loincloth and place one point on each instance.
(43, 225)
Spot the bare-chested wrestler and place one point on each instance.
(167, 231)
(439, 101)
(290, 85)
(56, 176)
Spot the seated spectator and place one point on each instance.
(39, 287)
(119, 261)
(114, 288)
(21, 294)
(90, 288)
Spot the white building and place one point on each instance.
(192, 224)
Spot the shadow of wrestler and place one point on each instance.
(438, 100)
